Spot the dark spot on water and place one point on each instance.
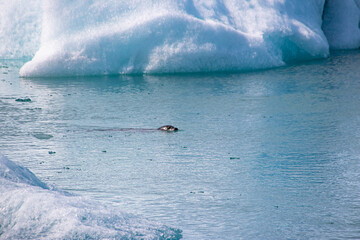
(42, 136)
(276, 206)
(52, 152)
(104, 151)
(23, 100)
(234, 158)
(67, 168)
(201, 192)
(42, 162)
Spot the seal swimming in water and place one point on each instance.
(165, 128)
(168, 128)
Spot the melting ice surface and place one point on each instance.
(30, 210)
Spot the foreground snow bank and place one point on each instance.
(30, 210)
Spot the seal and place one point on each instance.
(165, 128)
(168, 128)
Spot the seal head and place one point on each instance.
(168, 128)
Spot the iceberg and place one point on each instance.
(30, 209)
(71, 38)
(151, 37)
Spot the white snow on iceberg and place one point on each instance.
(127, 37)
(30, 210)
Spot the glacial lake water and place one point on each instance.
(272, 154)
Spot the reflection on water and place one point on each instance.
(262, 155)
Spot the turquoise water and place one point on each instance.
(261, 155)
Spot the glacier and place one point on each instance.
(72, 38)
(30, 209)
